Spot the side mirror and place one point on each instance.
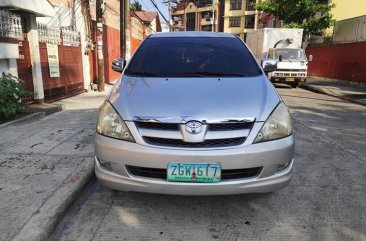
(280, 58)
(310, 58)
(269, 65)
(118, 64)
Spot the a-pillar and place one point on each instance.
(32, 35)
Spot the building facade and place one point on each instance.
(230, 16)
(195, 15)
(240, 17)
(143, 23)
(344, 10)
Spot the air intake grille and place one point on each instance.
(158, 126)
(205, 144)
(227, 174)
(230, 126)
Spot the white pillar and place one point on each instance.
(84, 57)
(35, 57)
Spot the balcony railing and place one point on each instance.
(11, 25)
(56, 35)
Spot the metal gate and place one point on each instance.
(70, 62)
(25, 68)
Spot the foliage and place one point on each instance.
(312, 15)
(136, 6)
(11, 93)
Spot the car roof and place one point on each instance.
(192, 34)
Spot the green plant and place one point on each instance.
(136, 6)
(11, 94)
(312, 15)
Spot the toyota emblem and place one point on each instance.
(194, 127)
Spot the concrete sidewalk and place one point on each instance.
(44, 165)
(341, 89)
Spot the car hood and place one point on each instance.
(203, 99)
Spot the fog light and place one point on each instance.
(105, 164)
(283, 166)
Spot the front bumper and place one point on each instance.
(268, 155)
(287, 77)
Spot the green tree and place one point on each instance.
(312, 15)
(136, 6)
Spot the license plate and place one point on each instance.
(290, 79)
(208, 173)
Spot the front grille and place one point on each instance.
(230, 126)
(206, 143)
(227, 174)
(211, 127)
(291, 70)
(158, 125)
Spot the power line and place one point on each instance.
(143, 2)
(162, 15)
(134, 14)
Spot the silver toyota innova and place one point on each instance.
(193, 114)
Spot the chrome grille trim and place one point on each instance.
(207, 143)
(220, 134)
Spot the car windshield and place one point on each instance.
(289, 54)
(193, 57)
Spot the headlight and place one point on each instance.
(111, 124)
(278, 125)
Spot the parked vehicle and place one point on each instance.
(283, 46)
(193, 114)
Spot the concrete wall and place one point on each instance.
(341, 61)
(111, 13)
(8, 54)
(350, 30)
(345, 9)
(8, 66)
(348, 9)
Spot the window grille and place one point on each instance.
(11, 25)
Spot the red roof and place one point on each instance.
(146, 16)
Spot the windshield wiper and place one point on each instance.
(143, 73)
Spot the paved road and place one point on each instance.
(326, 199)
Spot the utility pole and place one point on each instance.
(214, 3)
(169, 2)
(122, 23)
(99, 16)
(213, 18)
(170, 16)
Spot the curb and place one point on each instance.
(34, 116)
(317, 89)
(320, 90)
(44, 221)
